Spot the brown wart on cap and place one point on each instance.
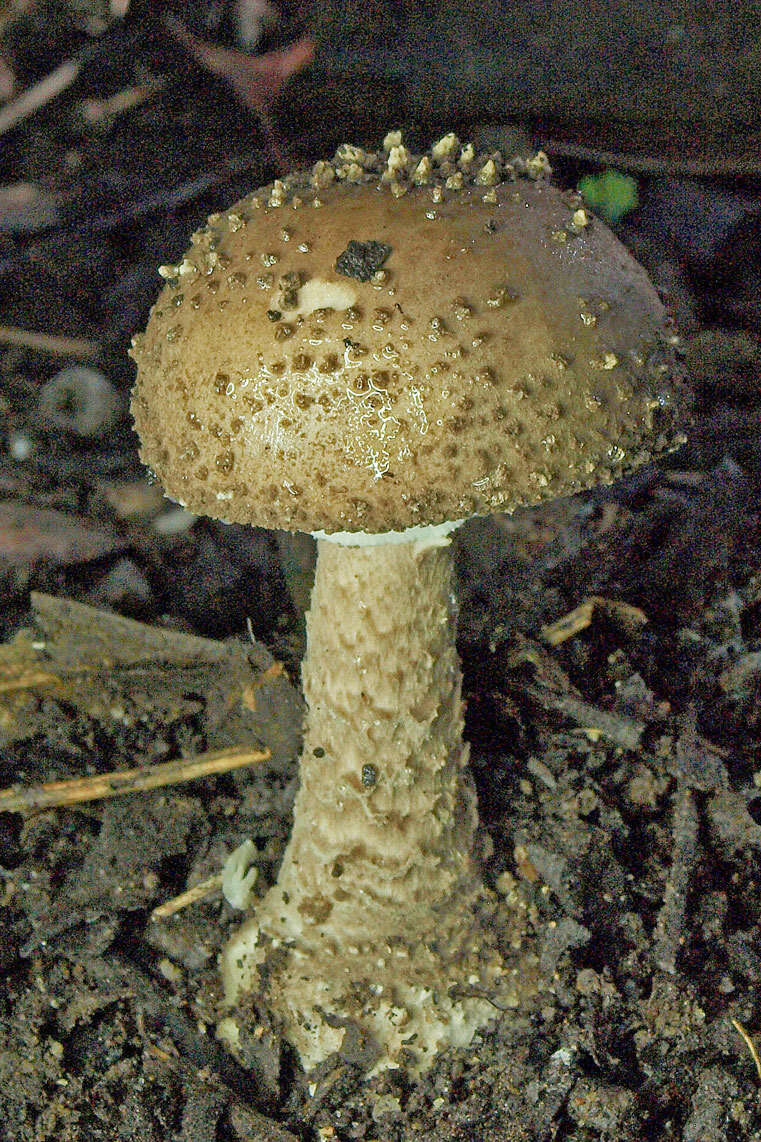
(372, 351)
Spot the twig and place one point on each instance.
(669, 926)
(749, 1044)
(189, 896)
(49, 342)
(618, 728)
(166, 198)
(724, 166)
(96, 110)
(77, 790)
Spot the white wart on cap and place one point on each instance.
(393, 340)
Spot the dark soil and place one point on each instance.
(617, 758)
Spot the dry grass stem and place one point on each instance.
(749, 1044)
(198, 892)
(38, 95)
(49, 342)
(77, 790)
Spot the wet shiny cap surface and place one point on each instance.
(392, 340)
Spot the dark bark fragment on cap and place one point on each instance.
(361, 260)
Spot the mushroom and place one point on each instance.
(373, 351)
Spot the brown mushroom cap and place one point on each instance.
(389, 341)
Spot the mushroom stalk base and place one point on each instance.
(378, 921)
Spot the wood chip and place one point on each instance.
(577, 620)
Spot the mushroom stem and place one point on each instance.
(385, 803)
(378, 897)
